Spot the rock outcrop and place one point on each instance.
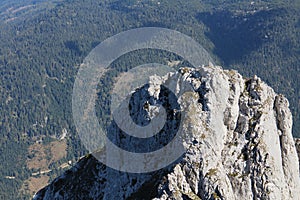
(239, 145)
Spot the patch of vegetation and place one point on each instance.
(211, 172)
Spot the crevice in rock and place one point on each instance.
(278, 124)
(186, 197)
(201, 187)
(202, 91)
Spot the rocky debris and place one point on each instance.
(238, 145)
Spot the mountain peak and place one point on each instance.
(238, 144)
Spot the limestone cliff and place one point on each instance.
(239, 146)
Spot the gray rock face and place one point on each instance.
(238, 145)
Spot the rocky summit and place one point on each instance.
(238, 143)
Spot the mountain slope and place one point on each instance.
(42, 46)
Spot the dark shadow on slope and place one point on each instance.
(235, 36)
(79, 181)
(140, 117)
